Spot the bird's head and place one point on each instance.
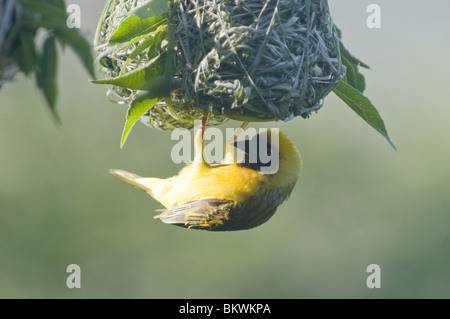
(270, 152)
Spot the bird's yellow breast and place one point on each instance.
(198, 181)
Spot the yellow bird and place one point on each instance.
(225, 197)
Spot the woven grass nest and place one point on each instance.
(250, 60)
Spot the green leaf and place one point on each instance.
(153, 40)
(49, 23)
(353, 76)
(141, 77)
(350, 57)
(45, 9)
(151, 8)
(116, 47)
(350, 72)
(59, 3)
(58, 25)
(360, 82)
(142, 102)
(25, 54)
(136, 110)
(363, 107)
(46, 73)
(134, 27)
(80, 46)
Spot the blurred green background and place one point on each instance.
(358, 202)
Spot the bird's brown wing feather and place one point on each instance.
(206, 213)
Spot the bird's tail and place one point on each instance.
(156, 187)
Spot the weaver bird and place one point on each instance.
(224, 197)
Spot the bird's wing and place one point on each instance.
(206, 213)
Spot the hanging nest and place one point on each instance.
(250, 60)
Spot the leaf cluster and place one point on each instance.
(148, 69)
(36, 29)
(351, 91)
